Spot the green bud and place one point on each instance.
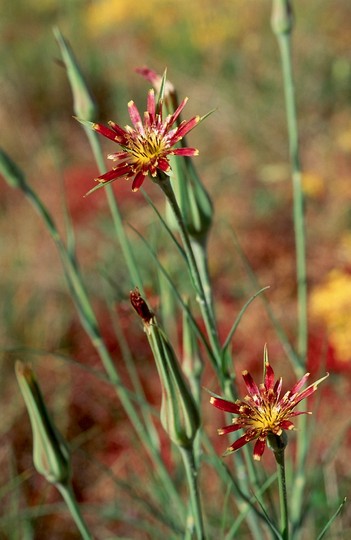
(277, 443)
(179, 414)
(11, 172)
(50, 452)
(84, 105)
(282, 17)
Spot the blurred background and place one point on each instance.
(223, 57)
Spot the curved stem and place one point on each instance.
(72, 505)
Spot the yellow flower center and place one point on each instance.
(265, 418)
(147, 148)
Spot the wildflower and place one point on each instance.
(191, 195)
(263, 413)
(147, 146)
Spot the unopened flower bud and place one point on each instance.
(277, 443)
(282, 17)
(179, 413)
(50, 452)
(140, 306)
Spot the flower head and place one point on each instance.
(147, 145)
(263, 412)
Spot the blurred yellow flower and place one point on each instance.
(344, 140)
(201, 20)
(313, 184)
(330, 303)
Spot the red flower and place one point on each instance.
(146, 147)
(263, 411)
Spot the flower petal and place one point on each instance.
(286, 424)
(105, 131)
(251, 385)
(238, 444)
(138, 180)
(297, 386)
(114, 173)
(151, 107)
(184, 128)
(259, 448)
(135, 117)
(225, 405)
(269, 376)
(173, 117)
(118, 130)
(228, 429)
(186, 151)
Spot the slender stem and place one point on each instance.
(72, 505)
(207, 314)
(90, 323)
(200, 254)
(128, 255)
(282, 26)
(284, 41)
(195, 520)
(284, 512)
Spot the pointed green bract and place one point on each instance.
(50, 452)
(84, 104)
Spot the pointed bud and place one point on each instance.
(50, 452)
(140, 306)
(179, 413)
(11, 172)
(84, 105)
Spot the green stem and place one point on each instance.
(282, 26)
(72, 505)
(195, 520)
(207, 314)
(200, 254)
(133, 268)
(91, 326)
(284, 41)
(284, 512)
(199, 272)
